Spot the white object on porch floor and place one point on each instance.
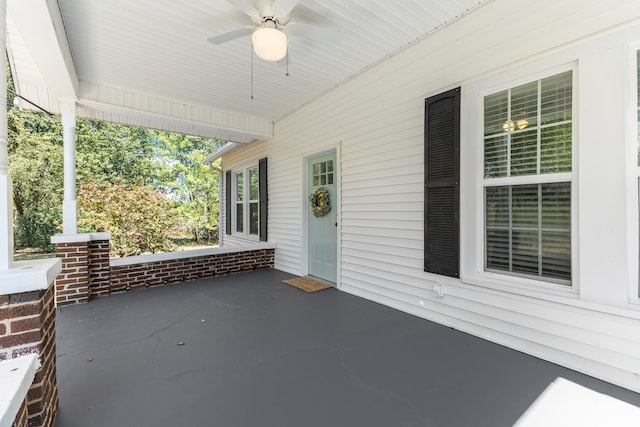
(16, 376)
(564, 403)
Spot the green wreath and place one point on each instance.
(320, 202)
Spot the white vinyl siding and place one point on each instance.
(375, 121)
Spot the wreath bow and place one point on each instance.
(320, 202)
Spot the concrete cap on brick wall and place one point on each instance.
(167, 256)
(81, 237)
(27, 276)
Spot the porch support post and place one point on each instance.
(6, 186)
(69, 208)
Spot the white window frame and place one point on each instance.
(246, 201)
(472, 205)
(633, 194)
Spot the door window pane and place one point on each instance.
(323, 173)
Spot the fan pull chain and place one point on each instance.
(251, 51)
(287, 73)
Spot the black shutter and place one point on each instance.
(441, 188)
(229, 202)
(262, 185)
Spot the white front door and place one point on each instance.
(322, 229)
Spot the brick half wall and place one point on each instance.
(27, 326)
(151, 273)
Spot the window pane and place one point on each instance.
(495, 156)
(524, 153)
(495, 112)
(515, 144)
(556, 230)
(556, 98)
(524, 206)
(239, 217)
(497, 231)
(555, 149)
(528, 230)
(253, 184)
(253, 218)
(525, 252)
(239, 186)
(497, 250)
(497, 202)
(524, 105)
(556, 207)
(556, 254)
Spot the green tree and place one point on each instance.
(189, 182)
(106, 154)
(113, 153)
(35, 150)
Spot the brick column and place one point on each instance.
(99, 270)
(27, 326)
(85, 267)
(72, 285)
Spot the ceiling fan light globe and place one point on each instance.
(269, 44)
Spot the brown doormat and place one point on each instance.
(307, 284)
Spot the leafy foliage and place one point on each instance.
(190, 183)
(140, 219)
(35, 150)
(162, 168)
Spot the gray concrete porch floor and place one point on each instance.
(247, 350)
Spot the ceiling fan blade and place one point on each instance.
(283, 8)
(248, 7)
(231, 35)
(314, 33)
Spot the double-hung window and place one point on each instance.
(528, 140)
(246, 213)
(246, 200)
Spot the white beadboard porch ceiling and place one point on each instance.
(148, 62)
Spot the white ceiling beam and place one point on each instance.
(128, 107)
(41, 28)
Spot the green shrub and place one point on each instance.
(140, 219)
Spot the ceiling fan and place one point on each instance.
(270, 19)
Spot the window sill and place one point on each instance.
(247, 237)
